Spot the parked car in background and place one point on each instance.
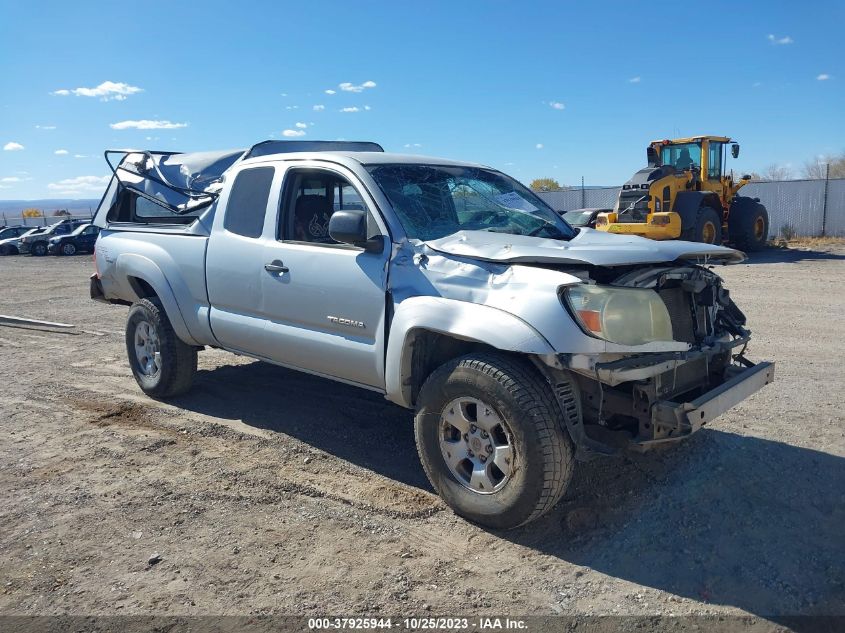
(82, 239)
(11, 245)
(583, 217)
(9, 232)
(37, 243)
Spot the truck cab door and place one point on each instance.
(324, 302)
(234, 263)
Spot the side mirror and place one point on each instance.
(350, 227)
(735, 150)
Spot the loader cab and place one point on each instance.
(703, 156)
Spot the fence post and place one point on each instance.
(824, 200)
(583, 194)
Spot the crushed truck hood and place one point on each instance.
(591, 247)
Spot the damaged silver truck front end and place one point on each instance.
(614, 395)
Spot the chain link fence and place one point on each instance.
(7, 219)
(806, 208)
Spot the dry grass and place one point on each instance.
(815, 242)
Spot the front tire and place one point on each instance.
(707, 228)
(163, 365)
(68, 249)
(490, 440)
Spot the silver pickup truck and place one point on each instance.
(521, 343)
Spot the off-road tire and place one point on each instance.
(745, 220)
(39, 249)
(542, 450)
(707, 222)
(178, 359)
(67, 249)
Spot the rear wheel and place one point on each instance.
(163, 365)
(707, 227)
(748, 224)
(490, 440)
(39, 249)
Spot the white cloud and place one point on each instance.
(779, 40)
(301, 126)
(293, 133)
(8, 179)
(412, 145)
(284, 94)
(348, 87)
(61, 152)
(146, 124)
(557, 105)
(352, 109)
(823, 77)
(45, 127)
(11, 146)
(330, 92)
(635, 80)
(106, 91)
(539, 146)
(80, 156)
(319, 108)
(79, 185)
(757, 84)
(366, 107)
(296, 107)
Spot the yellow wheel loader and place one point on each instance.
(685, 194)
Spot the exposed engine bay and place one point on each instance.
(636, 401)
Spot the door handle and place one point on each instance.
(276, 266)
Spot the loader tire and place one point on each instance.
(707, 227)
(748, 224)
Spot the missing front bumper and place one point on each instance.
(678, 420)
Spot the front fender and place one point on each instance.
(457, 319)
(129, 265)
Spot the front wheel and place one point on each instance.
(163, 365)
(490, 440)
(68, 249)
(707, 228)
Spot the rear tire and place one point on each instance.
(39, 249)
(707, 228)
(512, 419)
(748, 224)
(163, 365)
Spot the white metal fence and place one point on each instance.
(810, 208)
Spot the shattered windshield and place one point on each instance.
(433, 201)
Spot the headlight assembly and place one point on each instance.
(628, 316)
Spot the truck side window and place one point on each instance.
(311, 197)
(248, 201)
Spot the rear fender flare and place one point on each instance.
(456, 319)
(130, 265)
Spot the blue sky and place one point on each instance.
(536, 89)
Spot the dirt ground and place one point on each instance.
(267, 491)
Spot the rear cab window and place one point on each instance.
(247, 202)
